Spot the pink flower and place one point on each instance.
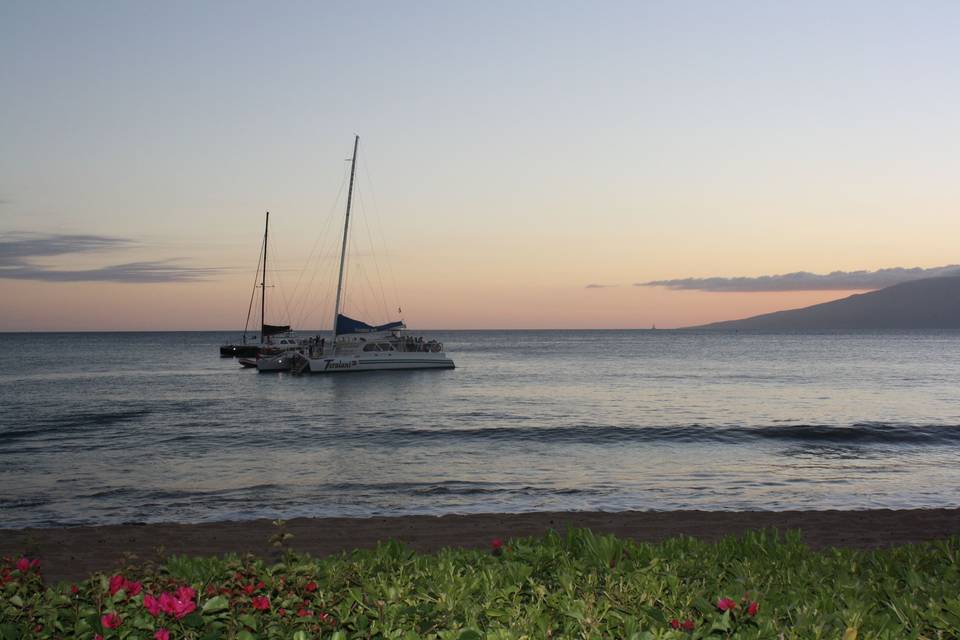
(74, 589)
(311, 586)
(753, 608)
(186, 593)
(116, 583)
(260, 603)
(98, 637)
(23, 565)
(35, 563)
(177, 607)
(110, 621)
(152, 605)
(496, 544)
(119, 583)
(726, 604)
(161, 634)
(686, 625)
(303, 612)
(281, 612)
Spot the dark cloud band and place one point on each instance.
(19, 253)
(806, 281)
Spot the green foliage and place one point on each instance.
(577, 585)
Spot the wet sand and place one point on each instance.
(73, 553)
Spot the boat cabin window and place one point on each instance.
(378, 346)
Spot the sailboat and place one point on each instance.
(267, 331)
(358, 346)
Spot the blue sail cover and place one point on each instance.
(349, 325)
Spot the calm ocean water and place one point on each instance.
(148, 427)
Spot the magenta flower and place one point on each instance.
(119, 583)
(161, 634)
(175, 606)
(688, 625)
(152, 605)
(23, 565)
(186, 593)
(110, 620)
(311, 586)
(753, 608)
(726, 604)
(116, 583)
(260, 603)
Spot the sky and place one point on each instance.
(521, 165)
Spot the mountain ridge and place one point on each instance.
(929, 303)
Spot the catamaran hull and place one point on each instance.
(341, 364)
(274, 364)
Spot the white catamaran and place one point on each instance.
(358, 346)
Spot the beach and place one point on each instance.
(73, 553)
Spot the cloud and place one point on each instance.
(599, 286)
(19, 253)
(806, 281)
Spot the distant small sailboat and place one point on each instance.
(358, 346)
(252, 349)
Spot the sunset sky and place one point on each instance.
(522, 164)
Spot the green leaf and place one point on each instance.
(470, 634)
(216, 605)
(10, 631)
(248, 620)
(194, 620)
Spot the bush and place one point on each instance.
(578, 585)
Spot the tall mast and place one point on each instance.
(263, 283)
(346, 227)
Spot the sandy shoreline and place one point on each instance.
(72, 553)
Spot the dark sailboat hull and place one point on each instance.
(239, 350)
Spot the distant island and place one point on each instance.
(931, 303)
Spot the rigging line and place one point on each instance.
(331, 275)
(322, 233)
(320, 266)
(373, 252)
(253, 291)
(314, 262)
(331, 264)
(383, 236)
(301, 311)
(373, 294)
(279, 285)
(325, 303)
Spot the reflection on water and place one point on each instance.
(150, 427)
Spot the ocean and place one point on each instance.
(99, 428)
